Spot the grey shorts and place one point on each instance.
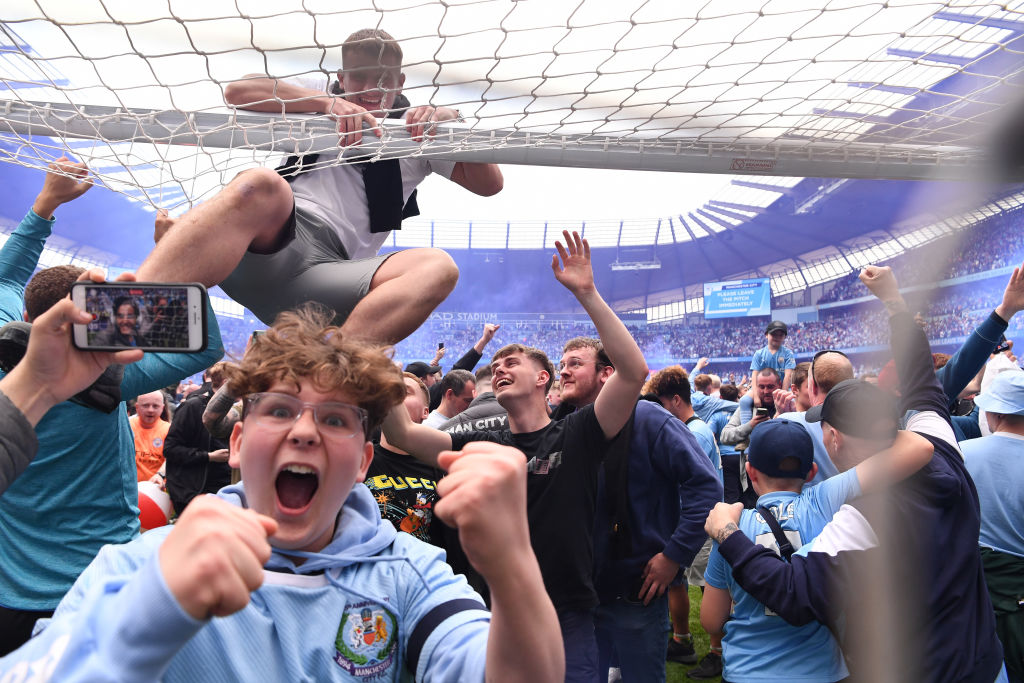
(695, 572)
(312, 266)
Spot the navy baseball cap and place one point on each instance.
(773, 442)
(421, 369)
(775, 326)
(860, 409)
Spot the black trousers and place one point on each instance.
(16, 627)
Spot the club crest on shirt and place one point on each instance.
(367, 640)
(158, 442)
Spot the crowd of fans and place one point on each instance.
(348, 462)
(952, 313)
(997, 243)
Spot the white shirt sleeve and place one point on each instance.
(314, 81)
(848, 530)
(930, 423)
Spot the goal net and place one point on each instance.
(842, 88)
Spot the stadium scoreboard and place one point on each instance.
(737, 298)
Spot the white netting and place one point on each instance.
(847, 88)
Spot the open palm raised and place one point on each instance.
(574, 272)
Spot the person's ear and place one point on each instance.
(235, 446)
(24, 316)
(812, 472)
(837, 440)
(426, 412)
(367, 459)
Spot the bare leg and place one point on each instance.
(404, 291)
(679, 608)
(207, 243)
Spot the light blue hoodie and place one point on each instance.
(371, 604)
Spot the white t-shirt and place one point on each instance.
(435, 419)
(336, 194)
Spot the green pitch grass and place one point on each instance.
(676, 673)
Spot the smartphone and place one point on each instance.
(1003, 346)
(256, 334)
(440, 345)
(758, 412)
(169, 317)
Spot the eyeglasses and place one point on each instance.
(276, 411)
(574, 364)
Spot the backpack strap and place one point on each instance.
(785, 547)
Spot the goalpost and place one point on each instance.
(906, 89)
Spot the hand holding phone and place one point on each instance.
(166, 317)
(51, 371)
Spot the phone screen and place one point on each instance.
(165, 317)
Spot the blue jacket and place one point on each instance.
(706, 406)
(971, 357)
(374, 604)
(962, 367)
(672, 486)
(81, 490)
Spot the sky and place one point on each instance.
(553, 194)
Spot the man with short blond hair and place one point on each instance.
(826, 370)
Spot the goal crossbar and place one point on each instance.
(305, 134)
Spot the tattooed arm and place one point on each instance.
(722, 521)
(218, 418)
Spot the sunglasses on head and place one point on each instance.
(819, 354)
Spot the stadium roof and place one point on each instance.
(911, 73)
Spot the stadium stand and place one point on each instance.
(954, 311)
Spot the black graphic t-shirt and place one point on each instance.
(562, 461)
(405, 490)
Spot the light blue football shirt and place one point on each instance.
(758, 644)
